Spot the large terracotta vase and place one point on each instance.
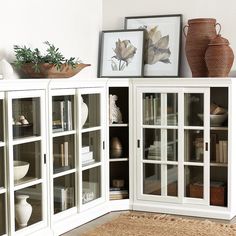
(219, 57)
(200, 32)
(23, 210)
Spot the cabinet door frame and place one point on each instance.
(102, 92)
(139, 139)
(10, 95)
(206, 142)
(67, 213)
(139, 136)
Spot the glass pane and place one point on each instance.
(160, 143)
(193, 146)
(1, 121)
(193, 177)
(62, 113)
(218, 186)
(2, 214)
(172, 147)
(193, 109)
(152, 109)
(27, 162)
(172, 180)
(26, 117)
(152, 144)
(152, 179)
(91, 147)
(28, 206)
(90, 110)
(91, 185)
(63, 153)
(2, 168)
(64, 193)
(172, 109)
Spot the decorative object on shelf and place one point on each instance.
(87, 196)
(20, 169)
(200, 32)
(218, 115)
(118, 183)
(115, 148)
(198, 144)
(84, 112)
(121, 53)
(31, 64)
(115, 115)
(23, 210)
(6, 70)
(162, 43)
(219, 57)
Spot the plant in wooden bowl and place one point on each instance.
(30, 63)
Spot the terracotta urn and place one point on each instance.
(200, 32)
(219, 57)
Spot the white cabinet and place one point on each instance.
(182, 152)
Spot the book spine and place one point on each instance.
(62, 155)
(217, 153)
(62, 114)
(66, 149)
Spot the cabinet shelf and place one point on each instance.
(160, 126)
(193, 163)
(63, 133)
(118, 159)
(26, 182)
(63, 173)
(160, 162)
(2, 190)
(2, 144)
(27, 140)
(86, 130)
(90, 166)
(219, 128)
(219, 164)
(118, 125)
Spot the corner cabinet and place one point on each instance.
(183, 159)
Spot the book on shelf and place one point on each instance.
(64, 196)
(85, 149)
(64, 153)
(222, 151)
(62, 115)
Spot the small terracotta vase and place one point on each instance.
(200, 32)
(219, 57)
(116, 148)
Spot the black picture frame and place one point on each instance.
(163, 61)
(121, 54)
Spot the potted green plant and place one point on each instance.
(30, 63)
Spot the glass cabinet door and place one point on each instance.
(196, 132)
(91, 143)
(26, 158)
(159, 134)
(63, 150)
(2, 170)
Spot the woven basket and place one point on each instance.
(219, 57)
(200, 32)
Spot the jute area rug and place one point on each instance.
(150, 224)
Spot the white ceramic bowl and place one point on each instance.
(216, 120)
(20, 169)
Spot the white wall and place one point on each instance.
(224, 11)
(72, 25)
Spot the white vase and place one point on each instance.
(84, 112)
(23, 210)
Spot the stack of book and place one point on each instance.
(154, 151)
(87, 156)
(62, 115)
(64, 196)
(152, 109)
(118, 193)
(222, 151)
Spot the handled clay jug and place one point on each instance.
(200, 32)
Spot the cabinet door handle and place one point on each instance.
(138, 143)
(44, 158)
(103, 145)
(206, 146)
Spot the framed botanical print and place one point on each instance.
(162, 44)
(121, 53)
